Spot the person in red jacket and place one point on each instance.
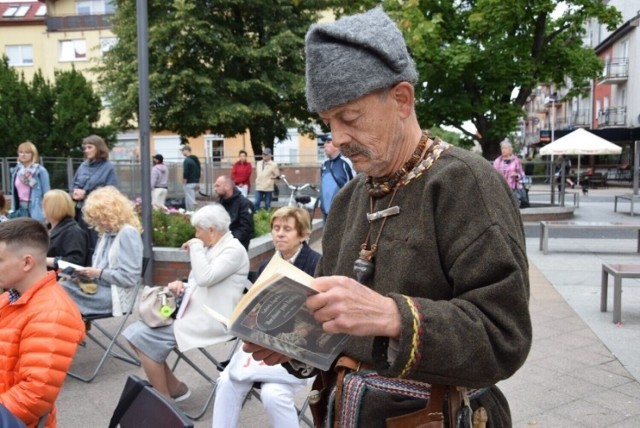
(241, 174)
(40, 326)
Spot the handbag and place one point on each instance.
(522, 197)
(360, 385)
(156, 306)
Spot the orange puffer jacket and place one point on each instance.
(39, 335)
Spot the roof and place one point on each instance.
(619, 33)
(16, 13)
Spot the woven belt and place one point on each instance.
(343, 366)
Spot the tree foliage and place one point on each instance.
(479, 60)
(221, 67)
(54, 116)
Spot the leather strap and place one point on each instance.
(344, 365)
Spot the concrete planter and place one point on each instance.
(170, 264)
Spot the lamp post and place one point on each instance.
(552, 98)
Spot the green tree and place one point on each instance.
(43, 100)
(15, 109)
(55, 117)
(479, 60)
(76, 113)
(221, 67)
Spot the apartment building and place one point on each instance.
(612, 107)
(59, 34)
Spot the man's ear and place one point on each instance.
(28, 262)
(403, 95)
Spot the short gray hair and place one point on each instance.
(212, 215)
(506, 143)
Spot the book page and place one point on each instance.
(216, 316)
(63, 265)
(276, 268)
(277, 318)
(277, 265)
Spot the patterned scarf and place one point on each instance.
(25, 174)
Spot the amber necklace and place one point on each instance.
(379, 187)
(364, 266)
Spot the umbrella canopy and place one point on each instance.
(581, 142)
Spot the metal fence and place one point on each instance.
(61, 171)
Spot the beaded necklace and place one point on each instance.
(364, 266)
(379, 187)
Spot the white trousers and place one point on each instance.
(158, 197)
(277, 399)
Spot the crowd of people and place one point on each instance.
(432, 288)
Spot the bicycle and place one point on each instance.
(296, 199)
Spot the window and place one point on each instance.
(22, 11)
(106, 43)
(20, 55)
(73, 50)
(95, 7)
(42, 10)
(11, 11)
(16, 11)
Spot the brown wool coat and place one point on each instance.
(458, 248)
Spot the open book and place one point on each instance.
(273, 314)
(67, 270)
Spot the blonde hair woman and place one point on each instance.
(117, 261)
(67, 240)
(30, 181)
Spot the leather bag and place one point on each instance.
(156, 306)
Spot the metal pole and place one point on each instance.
(143, 123)
(553, 119)
(636, 165)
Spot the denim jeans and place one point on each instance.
(260, 196)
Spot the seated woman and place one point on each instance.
(68, 241)
(117, 261)
(290, 229)
(219, 269)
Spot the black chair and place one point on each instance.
(141, 405)
(111, 336)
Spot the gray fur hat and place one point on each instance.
(354, 56)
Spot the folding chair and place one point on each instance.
(219, 366)
(111, 337)
(141, 405)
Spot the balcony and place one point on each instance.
(614, 116)
(78, 22)
(616, 70)
(581, 119)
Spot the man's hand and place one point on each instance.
(346, 306)
(270, 358)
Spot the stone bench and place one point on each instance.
(617, 271)
(546, 226)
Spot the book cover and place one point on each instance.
(274, 315)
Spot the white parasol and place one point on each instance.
(580, 142)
